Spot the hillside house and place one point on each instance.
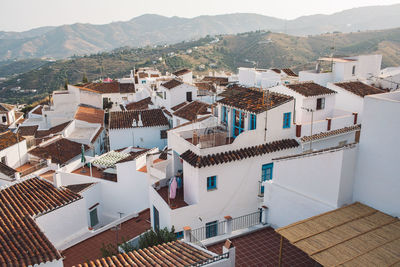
(265, 78)
(138, 128)
(184, 75)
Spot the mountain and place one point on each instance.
(80, 39)
(225, 52)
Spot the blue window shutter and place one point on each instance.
(286, 119)
(211, 182)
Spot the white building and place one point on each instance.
(318, 119)
(362, 67)
(377, 183)
(9, 115)
(184, 75)
(265, 78)
(223, 161)
(174, 92)
(13, 149)
(350, 95)
(187, 112)
(389, 78)
(138, 128)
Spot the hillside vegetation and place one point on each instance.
(228, 52)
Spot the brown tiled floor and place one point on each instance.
(89, 249)
(24, 167)
(98, 173)
(261, 248)
(176, 203)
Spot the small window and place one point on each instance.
(4, 160)
(286, 120)
(211, 229)
(4, 119)
(144, 82)
(353, 71)
(189, 96)
(320, 103)
(253, 121)
(179, 235)
(94, 220)
(163, 134)
(211, 182)
(156, 219)
(224, 114)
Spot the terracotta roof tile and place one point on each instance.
(8, 139)
(289, 72)
(109, 87)
(239, 154)
(53, 130)
(6, 107)
(181, 72)
(60, 151)
(331, 133)
(252, 100)
(223, 81)
(205, 86)
(140, 105)
(38, 110)
(150, 118)
(191, 110)
(76, 188)
(22, 241)
(175, 253)
(310, 89)
(359, 88)
(27, 130)
(143, 75)
(175, 108)
(90, 114)
(172, 84)
(125, 88)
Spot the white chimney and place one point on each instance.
(140, 123)
(134, 124)
(131, 76)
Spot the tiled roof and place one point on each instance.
(6, 170)
(239, 154)
(359, 88)
(206, 86)
(175, 108)
(6, 107)
(8, 139)
(176, 253)
(60, 151)
(166, 111)
(27, 130)
(53, 130)
(252, 100)
(133, 155)
(289, 72)
(150, 118)
(191, 110)
(310, 89)
(217, 80)
(125, 88)
(22, 241)
(90, 114)
(140, 105)
(109, 87)
(76, 188)
(181, 72)
(101, 129)
(276, 70)
(331, 133)
(172, 84)
(38, 110)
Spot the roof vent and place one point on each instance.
(134, 124)
(140, 123)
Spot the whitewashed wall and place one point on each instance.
(346, 100)
(147, 137)
(16, 154)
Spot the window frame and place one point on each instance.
(211, 183)
(287, 117)
(211, 229)
(321, 103)
(353, 70)
(97, 217)
(253, 122)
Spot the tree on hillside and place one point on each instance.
(66, 84)
(84, 78)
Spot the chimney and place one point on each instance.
(134, 124)
(131, 75)
(140, 123)
(230, 248)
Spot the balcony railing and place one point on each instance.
(246, 221)
(34, 168)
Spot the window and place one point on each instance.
(4, 119)
(4, 160)
(94, 220)
(286, 120)
(189, 96)
(124, 98)
(179, 235)
(353, 71)
(321, 103)
(163, 134)
(266, 172)
(211, 183)
(211, 229)
(238, 122)
(253, 121)
(224, 114)
(156, 219)
(144, 82)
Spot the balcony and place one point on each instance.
(177, 202)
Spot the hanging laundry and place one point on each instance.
(179, 181)
(172, 188)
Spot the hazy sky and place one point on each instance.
(19, 15)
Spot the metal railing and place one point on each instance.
(213, 259)
(211, 230)
(246, 221)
